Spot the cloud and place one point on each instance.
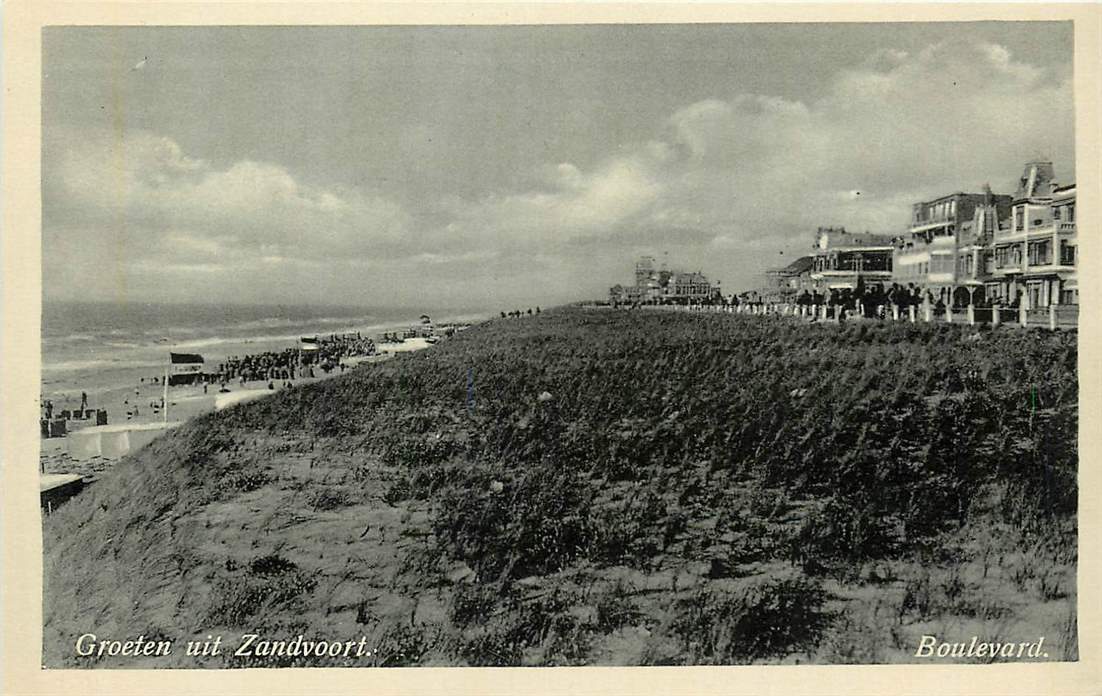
(892, 130)
(142, 190)
(730, 181)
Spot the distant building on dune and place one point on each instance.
(659, 285)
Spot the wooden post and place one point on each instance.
(895, 312)
(1052, 317)
(913, 314)
(995, 316)
(971, 315)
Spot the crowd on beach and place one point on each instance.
(327, 354)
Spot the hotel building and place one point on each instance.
(1034, 251)
(942, 252)
(842, 258)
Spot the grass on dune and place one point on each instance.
(605, 487)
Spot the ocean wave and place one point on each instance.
(112, 363)
(307, 330)
(283, 322)
(131, 355)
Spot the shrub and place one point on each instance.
(268, 584)
(771, 617)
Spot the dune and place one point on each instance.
(597, 487)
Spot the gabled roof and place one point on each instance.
(804, 263)
(1037, 181)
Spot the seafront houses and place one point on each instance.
(842, 259)
(942, 250)
(655, 285)
(1067, 244)
(979, 249)
(1034, 251)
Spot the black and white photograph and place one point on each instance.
(559, 345)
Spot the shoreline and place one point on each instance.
(185, 402)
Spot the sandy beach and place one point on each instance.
(184, 402)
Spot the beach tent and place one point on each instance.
(113, 441)
(186, 368)
(310, 343)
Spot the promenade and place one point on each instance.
(1053, 317)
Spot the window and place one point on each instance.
(1071, 212)
(1056, 212)
(1069, 296)
(1040, 253)
(1008, 256)
(1019, 219)
(1067, 253)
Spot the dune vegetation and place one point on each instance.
(604, 487)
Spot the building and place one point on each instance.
(960, 250)
(944, 244)
(973, 255)
(785, 284)
(1033, 253)
(843, 259)
(658, 285)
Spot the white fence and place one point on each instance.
(1052, 317)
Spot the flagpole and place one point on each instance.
(164, 400)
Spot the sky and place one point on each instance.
(492, 167)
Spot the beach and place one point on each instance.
(118, 357)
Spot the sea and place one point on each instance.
(96, 348)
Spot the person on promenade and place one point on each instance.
(49, 410)
(83, 401)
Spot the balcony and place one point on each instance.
(1067, 228)
(919, 225)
